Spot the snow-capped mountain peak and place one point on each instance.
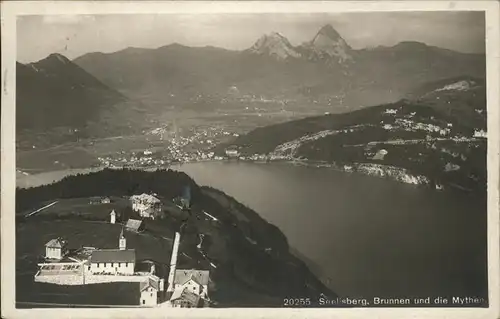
(276, 45)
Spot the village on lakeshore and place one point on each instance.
(183, 288)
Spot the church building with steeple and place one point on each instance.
(119, 261)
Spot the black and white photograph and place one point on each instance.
(328, 160)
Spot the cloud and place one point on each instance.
(67, 19)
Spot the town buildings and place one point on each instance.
(148, 206)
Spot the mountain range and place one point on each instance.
(57, 101)
(327, 46)
(101, 94)
(324, 68)
(59, 92)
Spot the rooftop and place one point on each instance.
(145, 198)
(56, 243)
(153, 282)
(184, 275)
(112, 255)
(184, 293)
(133, 224)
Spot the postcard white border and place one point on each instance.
(9, 11)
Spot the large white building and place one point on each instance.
(56, 249)
(113, 261)
(146, 205)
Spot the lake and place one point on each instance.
(364, 236)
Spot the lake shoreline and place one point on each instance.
(369, 169)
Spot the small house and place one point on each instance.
(99, 200)
(150, 291)
(146, 205)
(134, 225)
(480, 133)
(56, 249)
(232, 152)
(183, 298)
(195, 281)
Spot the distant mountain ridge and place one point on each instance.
(100, 94)
(324, 70)
(58, 101)
(56, 92)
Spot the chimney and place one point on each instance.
(152, 269)
(173, 264)
(162, 284)
(112, 217)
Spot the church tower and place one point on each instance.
(122, 241)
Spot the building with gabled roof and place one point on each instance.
(146, 205)
(201, 277)
(56, 248)
(114, 261)
(196, 281)
(150, 291)
(183, 298)
(113, 255)
(134, 225)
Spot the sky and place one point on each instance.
(74, 35)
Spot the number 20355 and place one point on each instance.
(296, 302)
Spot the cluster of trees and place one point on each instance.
(108, 182)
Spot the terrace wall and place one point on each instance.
(74, 279)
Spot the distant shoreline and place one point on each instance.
(60, 174)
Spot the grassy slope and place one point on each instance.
(254, 265)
